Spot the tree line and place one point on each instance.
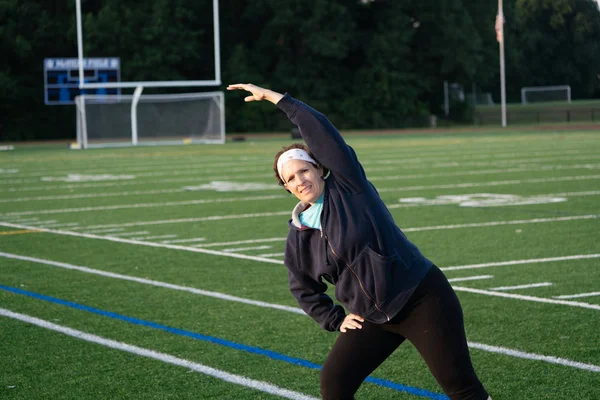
(367, 64)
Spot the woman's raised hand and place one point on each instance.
(258, 93)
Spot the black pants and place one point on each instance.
(432, 321)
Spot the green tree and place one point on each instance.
(558, 44)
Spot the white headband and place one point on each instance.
(293, 154)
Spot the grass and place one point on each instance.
(70, 256)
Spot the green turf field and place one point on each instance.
(156, 272)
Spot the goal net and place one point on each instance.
(546, 93)
(126, 120)
(480, 99)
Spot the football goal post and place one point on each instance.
(109, 120)
(536, 94)
(156, 119)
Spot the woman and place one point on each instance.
(341, 232)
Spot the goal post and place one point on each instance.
(216, 81)
(534, 94)
(154, 119)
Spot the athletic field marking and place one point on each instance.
(287, 213)
(536, 357)
(260, 198)
(201, 165)
(155, 237)
(129, 234)
(63, 225)
(576, 296)
(184, 240)
(166, 358)
(91, 195)
(477, 172)
(279, 239)
(144, 205)
(255, 258)
(52, 221)
(527, 298)
(499, 223)
(211, 339)
(106, 230)
(22, 220)
(517, 262)
(272, 255)
(273, 187)
(20, 232)
(471, 278)
(246, 248)
(151, 244)
(493, 183)
(151, 282)
(531, 285)
(184, 220)
(195, 179)
(484, 347)
(180, 170)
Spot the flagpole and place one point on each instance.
(502, 73)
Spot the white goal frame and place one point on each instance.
(525, 90)
(140, 85)
(82, 129)
(217, 55)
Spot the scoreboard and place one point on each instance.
(61, 78)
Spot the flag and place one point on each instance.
(499, 30)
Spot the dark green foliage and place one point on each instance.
(365, 64)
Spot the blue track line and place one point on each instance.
(250, 349)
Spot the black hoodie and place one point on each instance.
(359, 249)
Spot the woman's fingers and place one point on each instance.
(352, 321)
(257, 92)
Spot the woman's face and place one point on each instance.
(303, 179)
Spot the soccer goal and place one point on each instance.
(157, 119)
(536, 94)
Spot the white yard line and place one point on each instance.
(187, 220)
(91, 195)
(155, 237)
(492, 183)
(262, 198)
(528, 286)
(287, 213)
(65, 225)
(163, 357)
(471, 278)
(200, 170)
(18, 219)
(499, 223)
(534, 357)
(261, 176)
(272, 255)
(279, 239)
(201, 239)
(144, 205)
(148, 244)
(296, 310)
(106, 230)
(151, 282)
(246, 248)
(577, 296)
(526, 261)
(527, 298)
(129, 234)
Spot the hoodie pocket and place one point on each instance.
(380, 277)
